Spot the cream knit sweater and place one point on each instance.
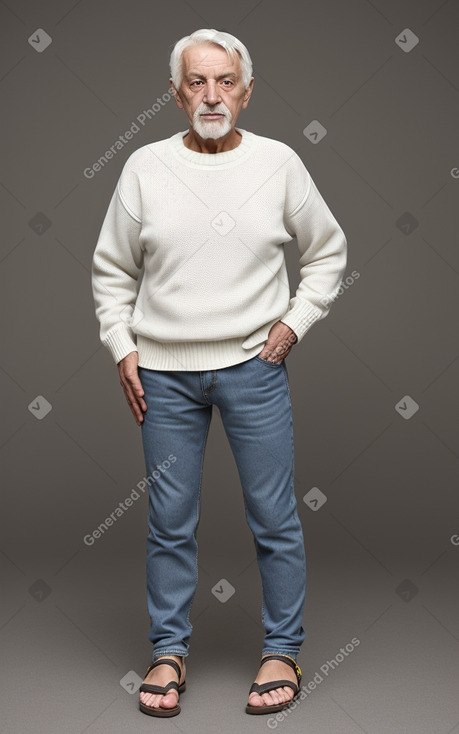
(189, 267)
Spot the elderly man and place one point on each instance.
(206, 214)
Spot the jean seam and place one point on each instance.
(292, 488)
(198, 517)
(160, 653)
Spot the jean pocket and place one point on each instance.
(270, 364)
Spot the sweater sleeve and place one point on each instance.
(116, 266)
(322, 246)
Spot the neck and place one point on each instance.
(193, 141)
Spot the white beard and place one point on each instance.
(212, 128)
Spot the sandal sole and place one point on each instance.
(151, 711)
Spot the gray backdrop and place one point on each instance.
(374, 385)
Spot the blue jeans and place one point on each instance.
(254, 403)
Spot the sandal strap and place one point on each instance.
(265, 687)
(151, 688)
(167, 661)
(285, 659)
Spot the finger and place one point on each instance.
(274, 352)
(133, 401)
(137, 390)
(137, 393)
(135, 409)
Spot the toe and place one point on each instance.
(169, 700)
(285, 693)
(271, 698)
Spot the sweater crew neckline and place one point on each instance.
(193, 158)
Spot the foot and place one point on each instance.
(160, 676)
(270, 671)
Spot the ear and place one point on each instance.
(176, 95)
(248, 94)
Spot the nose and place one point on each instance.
(212, 94)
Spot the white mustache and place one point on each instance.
(219, 109)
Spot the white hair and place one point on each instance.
(230, 43)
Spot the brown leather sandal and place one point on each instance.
(151, 688)
(270, 685)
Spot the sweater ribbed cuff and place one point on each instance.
(301, 317)
(120, 342)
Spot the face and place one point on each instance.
(211, 93)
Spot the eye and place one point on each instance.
(227, 81)
(198, 81)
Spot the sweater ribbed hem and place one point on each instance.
(187, 356)
(302, 317)
(120, 341)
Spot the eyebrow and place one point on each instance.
(196, 75)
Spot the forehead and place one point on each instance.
(209, 58)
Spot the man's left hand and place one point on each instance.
(281, 339)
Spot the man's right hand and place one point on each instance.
(130, 381)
